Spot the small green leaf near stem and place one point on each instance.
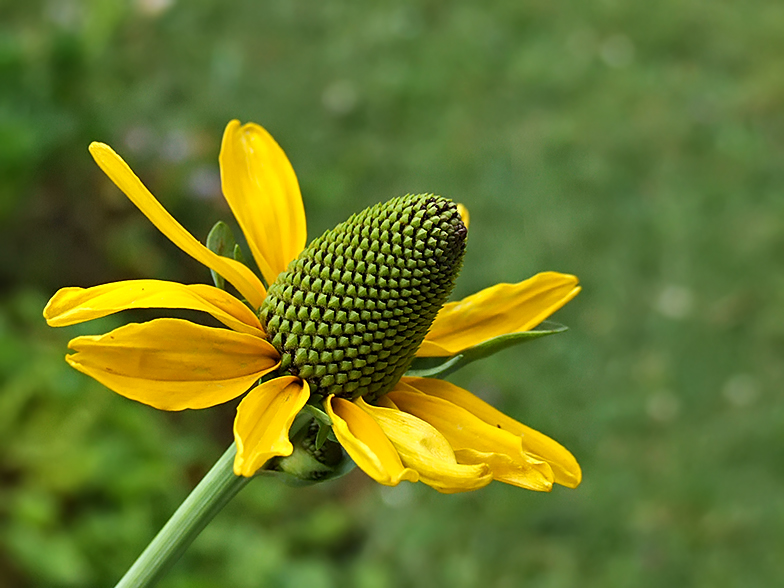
(220, 240)
(441, 367)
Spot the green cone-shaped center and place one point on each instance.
(350, 312)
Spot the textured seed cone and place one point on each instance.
(350, 312)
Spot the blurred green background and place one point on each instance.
(637, 145)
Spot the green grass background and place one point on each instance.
(637, 145)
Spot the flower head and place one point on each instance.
(350, 312)
(338, 328)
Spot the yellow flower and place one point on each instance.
(424, 429)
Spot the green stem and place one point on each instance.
(213, 493)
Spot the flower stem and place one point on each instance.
(215, 490)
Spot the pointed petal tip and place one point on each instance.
(571, 479)
(100, 150)
(557, 276)
(54, 310)
(499, 310)
(73, 344)
(48, 313)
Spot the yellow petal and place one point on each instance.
(422, 448)
(262, 190)
(464, 214)
(118, 171)
(505, 468)
(385, 402)
(173, 364)
(565, 467)
(464, 431)
(70, 306)
(499, 310)
(366, 443)
(264, 417)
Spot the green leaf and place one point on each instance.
(317, 456)
(238, 254)
(221, 240)
(321, 416)
(441, 367)
(302, 469)
(322, 435)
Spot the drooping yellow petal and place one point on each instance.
(466, 218)
(536, 475)
(70, 306)
(422, 448)
(262, 190)
(264, 417)
(172, 364)
(365, 442)
(499, 449)
(565, 467)
(499, 310)
(385, 402)
(121, 174)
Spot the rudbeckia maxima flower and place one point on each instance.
(419, 429)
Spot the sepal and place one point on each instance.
(221, 240)
(316, 458)
(324, 423)
(441, 367)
